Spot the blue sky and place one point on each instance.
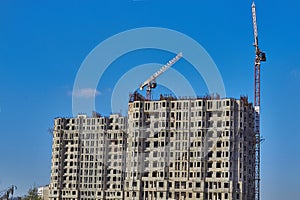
(42, 45)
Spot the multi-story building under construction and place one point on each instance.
(87, 157)
(202, 148)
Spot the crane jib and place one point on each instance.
(161, 70)
(150, 82)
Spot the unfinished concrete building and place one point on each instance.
(87, 157)
(170, 148)
(190, 149)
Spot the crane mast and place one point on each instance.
(259, 56)
(151, 82)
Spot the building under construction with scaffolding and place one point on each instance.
(202, 148)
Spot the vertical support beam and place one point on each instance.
(257, 83)
(257, 125)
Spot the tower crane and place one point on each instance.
(151, 82)
(260, 56)
(4, 194)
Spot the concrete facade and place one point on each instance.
(200, 148)
(190, 149)
(43, 192)
(85, 164)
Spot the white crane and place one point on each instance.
(259, 56)
(151, 82)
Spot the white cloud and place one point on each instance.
(85, 93)
(295, 74)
